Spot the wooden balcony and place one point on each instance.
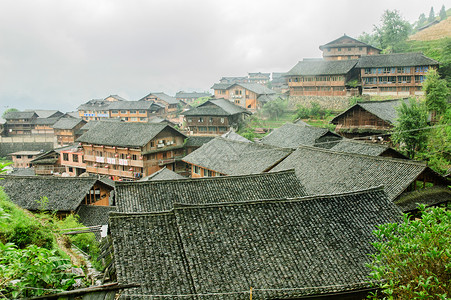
(109, 172)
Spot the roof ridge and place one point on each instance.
(178, 206)
(227, 177)
(34, 177)
(381, 158)
(381, 101)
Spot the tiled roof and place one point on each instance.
(236, 158)
(283, 249)
(268, 98)
(232, 135)
(360, 147)
(162, 96)
(216, 107)
(117, 97)
(13, 115)
(428, 196)
(23, 172)
(323, 171)
(131, 105)
(67, 123)
(337, 43)
(385, 110)
(123, 134)
(197, 141)
(322, 67)
(47, 113)
(257, 88)
(63, 193)
(163, 174)
(221, 86)
(293, 135)
(182, 94)
(94, 215)
(45, 121)
(161, 195)
(95, 105)
(395, 60)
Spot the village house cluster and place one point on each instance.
(193, 208)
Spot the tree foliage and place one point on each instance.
(431, 17)
(412, 259)
(437, 93)
(9, 110)
(199, 101)
(442, 13)
(409, 130)
(393, 31)
(274, 109)
(421, 21)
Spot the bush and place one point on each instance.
(413, 257)
(315, 111)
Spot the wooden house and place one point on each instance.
(324, 171)
(48, 164)
(214, 117)
(345, 48)
(287, 248)
(72, 160)
(190, 97)
(368, 118)
(44, 126)
(64, 194)
(318, 77)
(19, 123)
(170, 104)
(130, 151)
(223, 156)
(400, 74)
(135, 111)
(261, 78)
(97, 109)
(22, 159)
(67, 130)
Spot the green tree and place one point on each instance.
(442, 13)
(393, 31)
(9, 110)
(409, 131)
(274, 109)
(421, 21)
(437, 93)
(431, 17)
(199, 101)
(412, 259)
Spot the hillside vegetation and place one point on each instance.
(435, 32)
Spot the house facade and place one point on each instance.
(318, 77)
(245, 95)
(47, 164)
(214, 117)
(130, 151)
(19, 123)
(400, 74)
(22, 159)
(345, 48)
(97, 109)
(170, 104)
(135, 111)
(261, 78)
(67, 130)
(72, 160)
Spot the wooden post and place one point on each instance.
(250, 295)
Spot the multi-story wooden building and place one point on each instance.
(234, 79)
(346, 47)
(261, 78)
(170, 104)
(189, 97)
(135, 111)
(214, 117)
(243, 94)
(67, 130)
(22, 159)
(97, 109)
(400, 74)
(131, 150)
(48, 164)
(72, 160)
(317, 77)
(19, 123)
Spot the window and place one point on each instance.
(74, 157)
(212, 129)
(189, 120)
(30, 156)
(339, 49)
(360, 48)
(114, 111)
(211, 120)
(65, 156)
(134, 157)
(133, 111)
(208, 173)
(142, 111)
(222, 120)
(71, 169)
(143, 119)
(419, 78)
(123, 111)
(196, 170)
(201, 120)
(19, 156)
(349, 49)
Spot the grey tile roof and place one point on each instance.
(23, 172)
(352, 146)
(183, 94)
(197, 141)
(95, 105)
(216, 107)
(293, 135)
(428, 196)
(163, 174)
(283, 249)
(162, 96)
(337, 43)
(63, 193)
(221, 86)
(14, 115)
(323, 171)
(161, 195)
(236, 158)
(232, 135)
(322, 67)
(67, 123)
(395, 60)
(117, 97)
(47, 113)
(123, 134)
(268, 98)
(385, 110)
(145, 105)
(257, 88)
(94, 215)
(45, 121)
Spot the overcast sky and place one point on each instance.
(57, 54)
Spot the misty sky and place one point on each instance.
(58, 54)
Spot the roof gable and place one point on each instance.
(124, 134)
(163, 174)
(161, 96)
(271, 245)
(236, 158)
(257, 88)
(152, 196)
(322, 67)
(324, 171)
(345, 41)
(360, 147)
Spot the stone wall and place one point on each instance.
(334, 103)
(26, 143)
